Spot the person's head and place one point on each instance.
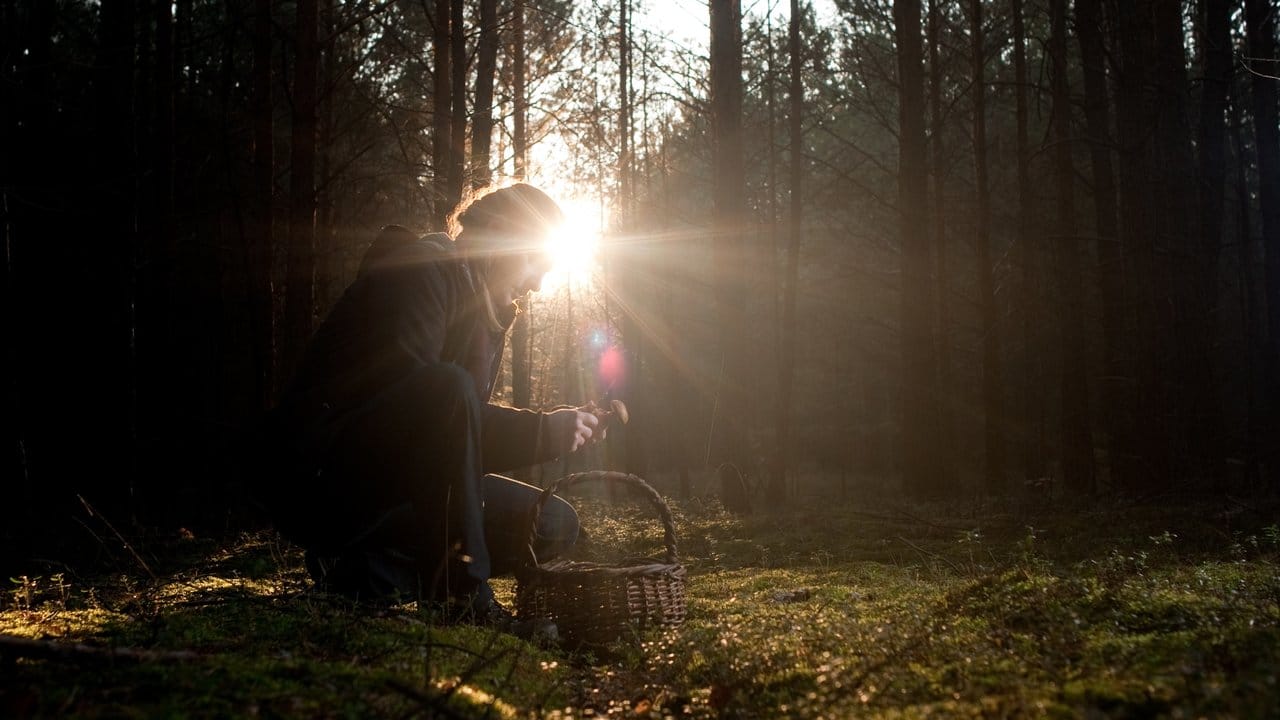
(504, 231)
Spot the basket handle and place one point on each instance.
(568, 481)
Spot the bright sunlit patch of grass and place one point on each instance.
(575, 245)
(812, 611)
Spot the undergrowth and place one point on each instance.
(818, 610)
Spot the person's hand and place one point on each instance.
(574, 428)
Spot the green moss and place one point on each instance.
(815, 612)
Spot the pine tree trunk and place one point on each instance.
(1142, 461)
(486, 66)
(300, 287)
(1248, 293)
(919, 387)
(728, 220)
(441, 111)
(261, 204)
(637, 456)
(1116, 392)
(1032, 410)
(110, 325)
(992, 372)
(521, 361)
(795, 237)
(458, 122)
(519, 143)
(1077, 441)
(1215, 39)
(1261, 20)
(1187, 380)
(947, 402)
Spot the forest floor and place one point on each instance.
(818, 610)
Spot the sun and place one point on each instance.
(574, 246)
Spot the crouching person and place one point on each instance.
(384, 449)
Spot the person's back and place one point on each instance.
(386, 443)
(367, 340)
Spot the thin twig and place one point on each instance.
(89, 508)
(11, 645)
(933, 555)
(436, 704)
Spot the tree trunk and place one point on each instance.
(458, 123)
(992, 375)
(1077, 442)
(1261, 21)
(1215, 39)
(486, 65)
(110, 323)
(624, 115)
(519, 143)
(300, 287)
(27, 259)
(328, 274)
(636, 450)
(521, 362)
(1188, 381)
(1032, 430)
(1097, 113)
(919, 387)
(262, 193)
(728, 215)
(1248, 305)
(442, 111)
(163, 133)
(947, 404)
(795, 236)
(1142, 462)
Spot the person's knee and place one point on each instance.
(450, 386)
(558, 527)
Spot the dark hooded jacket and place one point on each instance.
(414, 303)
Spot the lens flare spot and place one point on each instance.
(612, 367)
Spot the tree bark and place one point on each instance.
(992, 372)
(947, 403)
(300, 288)
(110, 325)
(458, 123)
(1215, 39)
(1097, 113)
(1249, 310)
(1261, 23)
(262, 194)
(795, 237)
(519, 146)
(486, 66)
(1077, 441)
(163, 137)
(1142, 462)
(633, 337)
(1032, 432)
(1188, 377)
(728, 215)
(441, 110)
(919, 387)
(521, 362)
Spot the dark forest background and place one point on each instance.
(969, 252)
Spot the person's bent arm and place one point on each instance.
(516, 438)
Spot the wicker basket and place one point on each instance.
(594, 603)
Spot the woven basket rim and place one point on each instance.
(651, 495)
(585, 567)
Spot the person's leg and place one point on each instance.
(507, 504)
(403, 476)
